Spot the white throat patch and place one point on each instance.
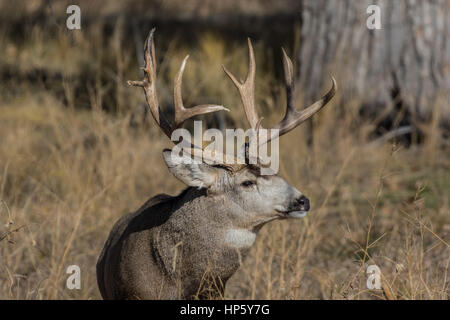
(239, 238)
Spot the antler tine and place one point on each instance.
(247, 89)
(181, 113)
(149, 84)
(289, 83)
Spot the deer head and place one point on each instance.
(252, 199)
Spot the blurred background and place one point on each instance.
(78, 149)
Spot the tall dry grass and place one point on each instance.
(69, 169)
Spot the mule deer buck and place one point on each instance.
(173, 246)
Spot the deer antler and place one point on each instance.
(292, 117)
(149, 86)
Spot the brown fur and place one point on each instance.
(162, 252)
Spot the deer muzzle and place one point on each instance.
(300, 209)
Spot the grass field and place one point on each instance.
(76, 154)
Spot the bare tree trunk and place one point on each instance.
(412, 48)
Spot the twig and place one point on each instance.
(6, 234)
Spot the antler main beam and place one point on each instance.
(292, 117)
(149, 86)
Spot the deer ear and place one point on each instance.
(188, 171)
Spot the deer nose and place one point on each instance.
(303, 203)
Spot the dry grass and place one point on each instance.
(68, 173)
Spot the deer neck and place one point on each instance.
(201, 224)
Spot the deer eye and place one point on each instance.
(247, 183)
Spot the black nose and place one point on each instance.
(303, 203)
